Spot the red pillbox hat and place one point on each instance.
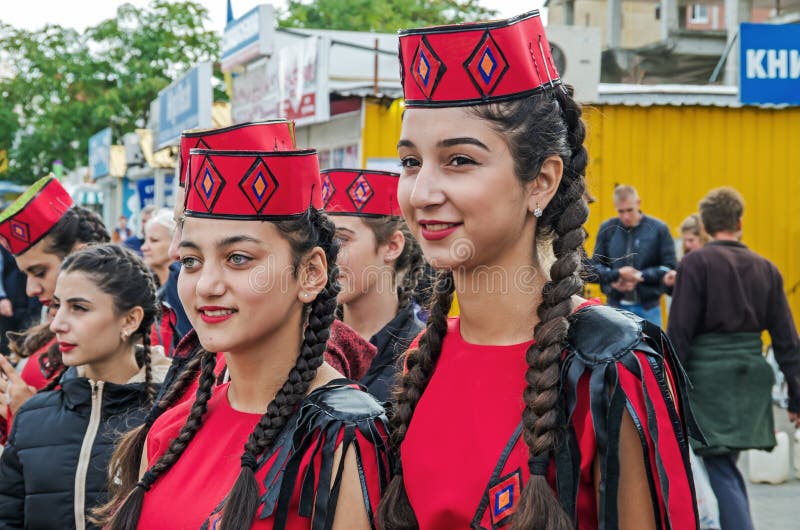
(252, 185)
(360, 192)
(31, 217)
(471, 64)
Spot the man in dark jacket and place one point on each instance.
(725, 295)
(632, 254)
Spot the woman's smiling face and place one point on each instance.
(458, 190)
(238, 283)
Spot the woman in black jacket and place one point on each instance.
(55, 467)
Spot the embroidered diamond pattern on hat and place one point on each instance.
(200, 144)
(208, 184)
(360, 192)
(20, 230)
(328, 190)
(427, 68)
(486, 65)
(504, 498)
(259, 185)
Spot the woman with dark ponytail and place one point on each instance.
(379, 265)
(287, 443)
(534, 408)
(53, 470)
(41, 228)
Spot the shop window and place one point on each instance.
(699, 14)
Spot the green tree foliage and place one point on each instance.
(385, 16)
(62, 86)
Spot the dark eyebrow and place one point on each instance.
(222, 242)
(78, 300)
(237, 239)
(405, 143)
(343, 229)
(188, 244)
(450, 142)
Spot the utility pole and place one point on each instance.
(614, 36)
(736, 12)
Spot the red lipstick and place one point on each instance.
(218, 314)
(435, 230)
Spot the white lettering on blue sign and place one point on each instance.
(773, 64)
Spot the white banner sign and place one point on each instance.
(292, 85)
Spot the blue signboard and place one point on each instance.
(185, 104)
(100, 153)
(769, 63)
(147, 191)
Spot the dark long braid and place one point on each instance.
(412, 265)
(535, 127)
(125, 463)
(125, 515)
(311, 230)
(147, 362)
(242, 501)
(394, 511)
(563, 219)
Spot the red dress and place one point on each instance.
(472, 406)
(294, 475)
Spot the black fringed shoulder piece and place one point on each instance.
(333, 411)
(628, 362)
(604, 341)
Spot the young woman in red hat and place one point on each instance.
(346, 352)
(41, 228)
(534, 408)
(286, 443)
(379, 265)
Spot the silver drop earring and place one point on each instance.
(538, 211)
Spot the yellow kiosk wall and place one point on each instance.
(673, 155)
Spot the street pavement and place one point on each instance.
(775, 507)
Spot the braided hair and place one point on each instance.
(125, 463)
(77, 225)
(536, 127)
(313, 229)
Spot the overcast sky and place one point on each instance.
(79, 14)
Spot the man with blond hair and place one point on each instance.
(725, 296)
(632, 254)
